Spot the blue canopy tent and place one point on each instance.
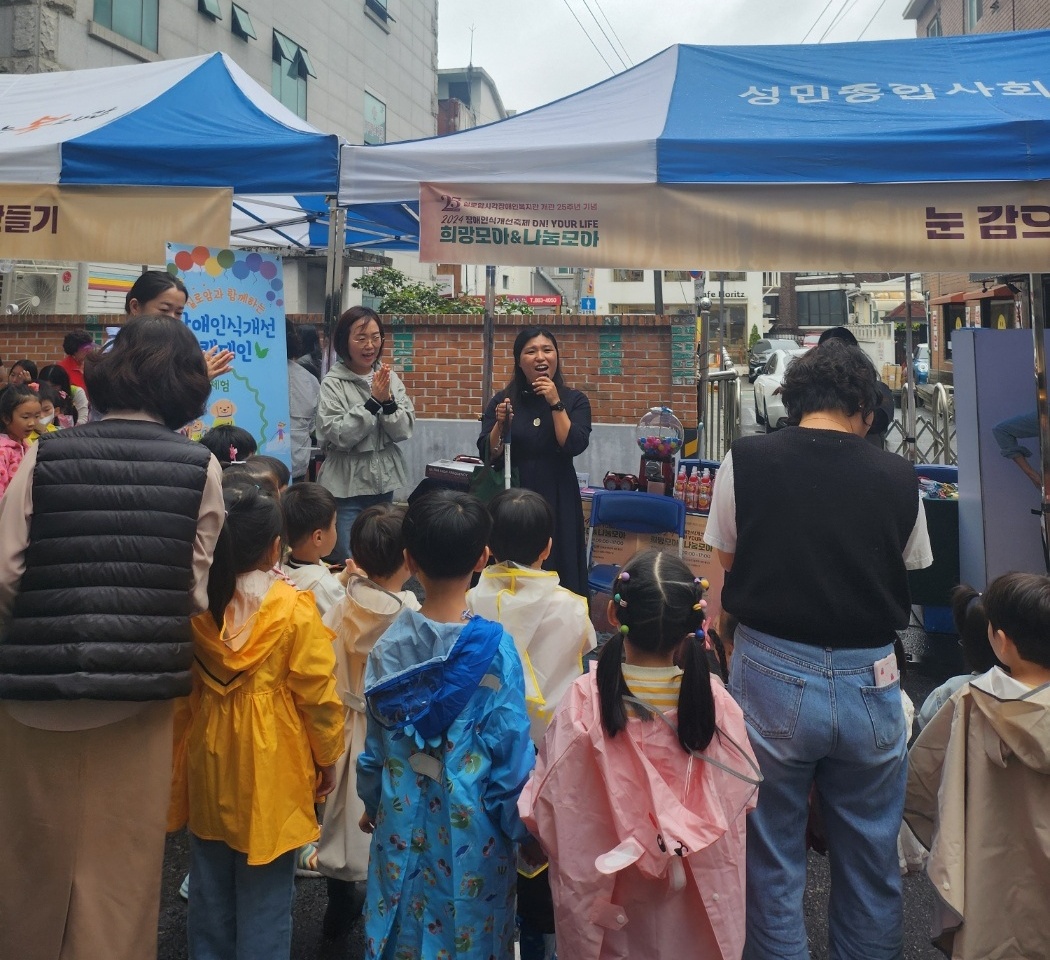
(931, 153)
(143, 147)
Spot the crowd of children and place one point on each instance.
(461, 782)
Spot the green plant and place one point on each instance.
(398, 293)
(754, 338)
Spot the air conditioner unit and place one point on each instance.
(50, 290)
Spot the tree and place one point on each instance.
(398, 293)
(754, 338)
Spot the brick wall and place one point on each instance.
(623, 368)
(1011, 15)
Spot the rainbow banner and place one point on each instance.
(236, 303)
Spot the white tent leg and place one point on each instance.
(334, 275)
(488, 334)
(909, 372)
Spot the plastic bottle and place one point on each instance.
(679, 485)
(703, 499)
(692, 491)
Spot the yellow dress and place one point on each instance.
(258, 720)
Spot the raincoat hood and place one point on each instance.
(342, 372)
(254, 623)
(421, 674)
(1019, 722)
(520, 595)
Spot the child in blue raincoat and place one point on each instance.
(446, 754)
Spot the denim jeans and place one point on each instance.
(347, 509)
(237, 911)
(1008, 434)
(815, 717)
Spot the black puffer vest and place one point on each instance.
(103, 610)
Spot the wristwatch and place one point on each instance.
(557, 406)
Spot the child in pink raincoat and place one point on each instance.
(643, 783)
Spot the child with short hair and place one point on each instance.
(309, 525)
(979, 787)
(49, 402)
(373, 599)
(257, 740)
(446, 755)
(552, 631)
(642, 784)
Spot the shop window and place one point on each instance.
(241, 23)
(628, 276)
(375, 120)
(210, 8)
(291, 67)
(677, 276)
(136, 20)
(974, 11)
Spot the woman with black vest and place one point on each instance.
(816, 530)
(106, 537)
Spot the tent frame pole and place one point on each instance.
(1037, 284)
(334, 275)
(488, 333)
(909, 373)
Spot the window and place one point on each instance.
(459, 90)
(933, 28)
(628, 276)
(375, 119)
(974, 9)
(566, 271)
(506, 281)
(135, 20)
(770, 279)
(210, 8)
(291, 67)
(241, 23)
(378, 7)
(677, 276)
(727, 276)
(821, 308)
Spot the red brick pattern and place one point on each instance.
(445, 382)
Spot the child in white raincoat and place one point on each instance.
(642, 785)
(552, 630)
(369, 605)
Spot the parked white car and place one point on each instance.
(769, 406)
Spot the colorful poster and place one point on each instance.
(236, 303)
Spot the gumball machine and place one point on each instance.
(660, 436)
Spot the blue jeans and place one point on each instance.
(236, 911)
(815, 717)
(347, 509)
(1008, 434)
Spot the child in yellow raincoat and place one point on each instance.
(257, 741)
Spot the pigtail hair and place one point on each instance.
(222, 578)
(718, 654)
(696, 702)
(612, 687)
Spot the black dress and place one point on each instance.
(548, 469)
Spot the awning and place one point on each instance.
(948, 298)
(1000, 292)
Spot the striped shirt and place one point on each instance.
(657, 686)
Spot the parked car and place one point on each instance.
(921, 363)
(769, 406)
(761, 351)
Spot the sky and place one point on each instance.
(536, 51)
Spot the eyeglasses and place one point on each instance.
(361, 341)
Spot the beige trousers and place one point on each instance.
(82, 824)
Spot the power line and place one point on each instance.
(837, 19)
(616, 53)
(872, 20)
(815, 22)
(589, 37)
(612, 29)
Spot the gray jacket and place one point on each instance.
(361, 447)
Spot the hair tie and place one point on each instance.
(623, 576)
(700, 634)
(624, 629)
(233, 453)
(63, 394)
(618, 599)
(702, 583)
(35, 387)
